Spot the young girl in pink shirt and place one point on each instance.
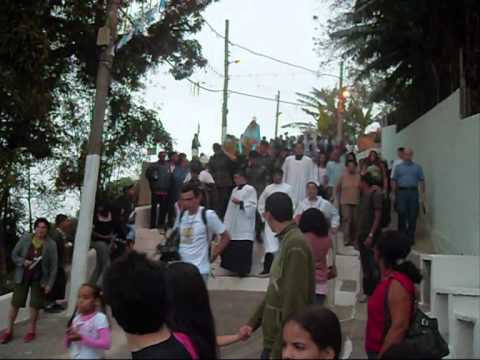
(88, 333)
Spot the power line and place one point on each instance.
(241, 93)
(256, 53)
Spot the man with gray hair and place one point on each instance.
(407, 179)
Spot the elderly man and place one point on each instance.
(407, 179)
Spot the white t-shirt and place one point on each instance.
(320, 174)
(204, 177)
(194, 244)
(329, 211)
(88, 328)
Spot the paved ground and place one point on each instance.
(231, 309)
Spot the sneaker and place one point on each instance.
(54, 309)
(29, 337)
(263, 274)
(6, 337)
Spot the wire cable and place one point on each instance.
(241, 93)
(256, 53)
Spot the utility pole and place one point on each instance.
(340, 107)
(107, 36)
(277, 114)
(225, 83)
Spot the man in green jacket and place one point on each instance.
(292, 281)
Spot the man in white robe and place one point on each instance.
(298, 169)
(270, 240)
(240, 224)
(314, 201)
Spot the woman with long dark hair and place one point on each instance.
(191, 312)
(373, 164)
(313, 333)
(391, 306)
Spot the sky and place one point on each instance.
(273, 27)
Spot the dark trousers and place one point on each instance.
(267, 263)
(157, 217)
(223, 196)
(265, 355)
(171, 213)
(407, 208)
(370, 270)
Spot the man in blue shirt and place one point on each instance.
(334, 171)
(406, 180)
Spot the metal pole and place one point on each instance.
(277, 114)
(92, 164)
(225, 83)
(340, 107)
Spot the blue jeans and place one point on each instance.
(265, 355)
(320, 299)
(407, 208)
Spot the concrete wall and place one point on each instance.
(448, 148)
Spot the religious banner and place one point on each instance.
(251, 137)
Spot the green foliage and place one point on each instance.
(321, 105)
(411, 47)
(49, 61)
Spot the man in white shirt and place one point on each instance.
(240, 223)
(297, 170)
(398, 161)
(315, 201)
(270, 240)
(197, 227)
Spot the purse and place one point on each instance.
(422, 340)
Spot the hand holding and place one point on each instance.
(245, 332)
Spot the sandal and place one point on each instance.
(29, 337)
(6, 337)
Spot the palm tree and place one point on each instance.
(321, 105)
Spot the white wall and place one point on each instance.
(448, 148)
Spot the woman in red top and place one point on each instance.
(391, 306)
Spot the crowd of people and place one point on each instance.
(292, 200)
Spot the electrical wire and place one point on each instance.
(256, 53)
(241, 93)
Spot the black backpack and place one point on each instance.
(169, 251)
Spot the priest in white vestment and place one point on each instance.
(270, 240)
(240, 224)
(298, 169)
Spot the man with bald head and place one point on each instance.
(407, 181)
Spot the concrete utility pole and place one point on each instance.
(340, 107)
(107, 36)
(277, 114)
(225, 83)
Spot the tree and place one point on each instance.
(413, 46)
(321, 105)
(48, 61)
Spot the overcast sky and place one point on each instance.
(280, 28)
